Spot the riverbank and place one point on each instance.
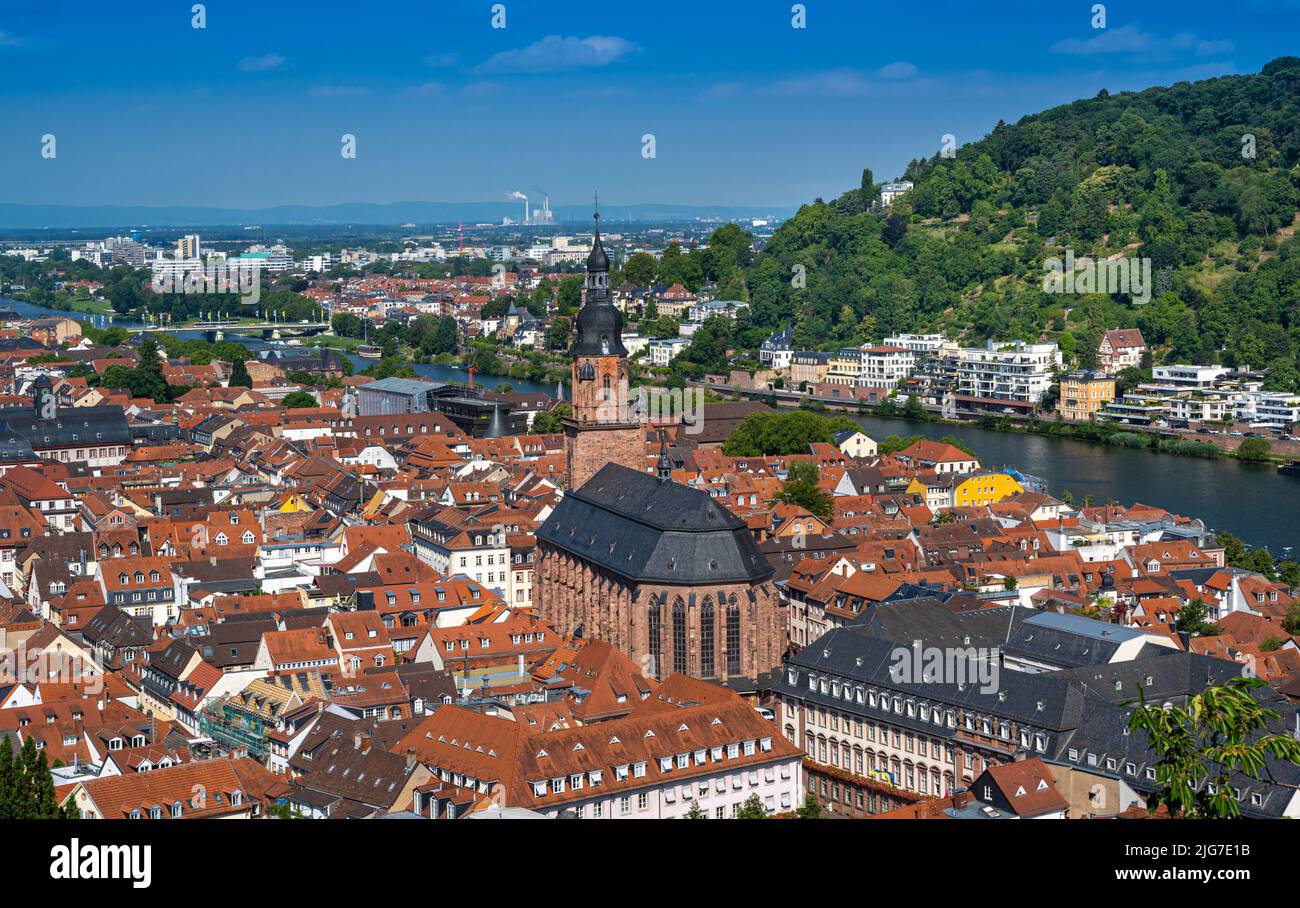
(1253, 501)
(72, 307)
(1182, 444)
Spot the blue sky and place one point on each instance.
(744, 108)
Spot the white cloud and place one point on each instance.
(338, 91)
(1132, 40)
(263, 64)
(556, 54)
(900, 70)
(441, 61)
(8, 40)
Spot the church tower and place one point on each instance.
(44, 404)
(601, 429)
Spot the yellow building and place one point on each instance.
(1084, 393)
(845, 367)
(985, 488)
(292, 503)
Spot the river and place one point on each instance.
(1251, 500)
(425, 370)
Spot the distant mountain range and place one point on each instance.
(35, 217)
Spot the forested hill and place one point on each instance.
(1200, 177)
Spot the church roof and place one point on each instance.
(648, 530)
(598, 329)
(598, 260)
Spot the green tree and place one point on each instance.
(768, 433)
(550, 422)
(695, 813)
(801, 488)
(444, 338)
(1288, 572)
(752, 809)
(1221, 731)
(299, 400)
(640, 268)
(811, 809)
(10, 776)
(558, 332)
(1193, 618)
(1291, 623)
(239, 377)
(345, 324)
(1253, 449)
(27, 786)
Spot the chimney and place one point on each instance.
(410, 758)
(356, 741)
(157, 502)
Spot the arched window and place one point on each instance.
(679, 636)
(733, 638)
(605, 391)
(707, 669)
(652, 629)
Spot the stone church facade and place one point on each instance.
(656, 568)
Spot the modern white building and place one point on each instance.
(921, 344)
(1016, 372)
(1269, 409)
(891, 191)
(1185, 376)
(664, 351)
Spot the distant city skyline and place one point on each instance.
(745, 110)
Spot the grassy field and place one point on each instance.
(338, 343)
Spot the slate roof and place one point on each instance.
(1036, 700)
(1082, 711)
(72, 427)
(647, 530)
